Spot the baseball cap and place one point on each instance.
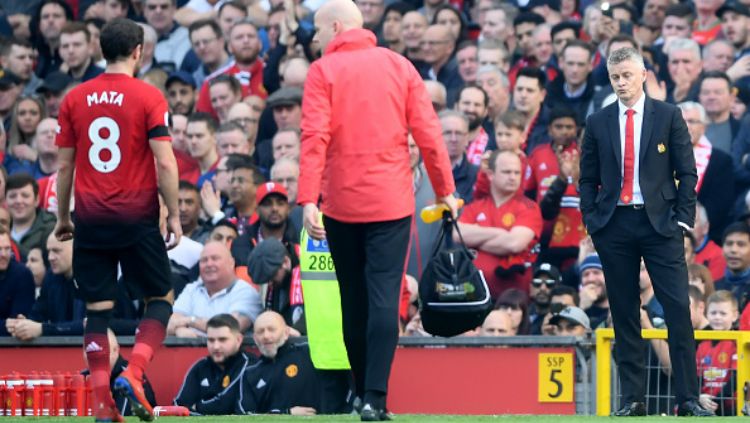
(268, 188)
(590, 262)
(181, 76)
(572, 314)
(265, 260)
(54, 82)
(286, 96)
(8, 79)
(733, 6)
(548, 269)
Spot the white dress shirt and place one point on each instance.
(637, 127)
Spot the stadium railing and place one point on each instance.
(660, 396)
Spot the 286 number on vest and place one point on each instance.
(321, 262)
(556, 381)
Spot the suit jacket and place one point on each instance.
(666, 155)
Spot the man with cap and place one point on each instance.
(180, 87)
(10, 89)
(571, 321)
(593, 290)
(286, 104)
(545, 278)
(273, 222)
(53, 89)
(276, 269)
(735, 24)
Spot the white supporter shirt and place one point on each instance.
(239, 297)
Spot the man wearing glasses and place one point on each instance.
(455, 127)
(545, 278)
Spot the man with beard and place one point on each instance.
(276, 269)
(210, 386)
(273, 222)
(473, 102)
(285, 380)
(593, 293)
(545, 278)
(247, 67)
(180, 93)
(554, 179)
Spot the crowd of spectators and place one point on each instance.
(511, 83)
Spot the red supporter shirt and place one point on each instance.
(109, 121)
(567, 229)
(711, 256)
(251, 81)
(717, 363)
(518, 211)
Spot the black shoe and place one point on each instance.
(692, 408)
(371, 414)
(631, 409)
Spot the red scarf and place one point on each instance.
(476, 147)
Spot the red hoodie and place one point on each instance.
(360, 102)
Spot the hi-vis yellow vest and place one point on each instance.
(322, 305)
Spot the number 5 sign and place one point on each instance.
(556, 381)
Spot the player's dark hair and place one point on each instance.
(224, 320)
(203, 23)
(243, 161)
(76, 26)
(188, 186)
(561, 112)
(233, 83)
(486, 97)
(561, 290)
(203, 117)
(20, 180)
(528, 17)
(466, 44)
(119, 38)
(534, 73)
(735, 228)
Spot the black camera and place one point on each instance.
(606, 9)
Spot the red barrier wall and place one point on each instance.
(450, 380)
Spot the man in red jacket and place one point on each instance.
(360, 167)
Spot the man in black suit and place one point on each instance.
(633, 151)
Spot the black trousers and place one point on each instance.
(369, 260)
(621, 243)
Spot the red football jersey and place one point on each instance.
(109, 121)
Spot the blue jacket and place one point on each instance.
(16, 293)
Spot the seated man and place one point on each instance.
(571, 321)
(16, 284)
(216, 291)
(30, 224)
(285, 380)
(210, 386)
(118, 364)
(497, 323)
(272, 266)
(57, 311)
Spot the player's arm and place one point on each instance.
(66, 160)
(166, 167)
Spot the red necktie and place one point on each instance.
(626, 195)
